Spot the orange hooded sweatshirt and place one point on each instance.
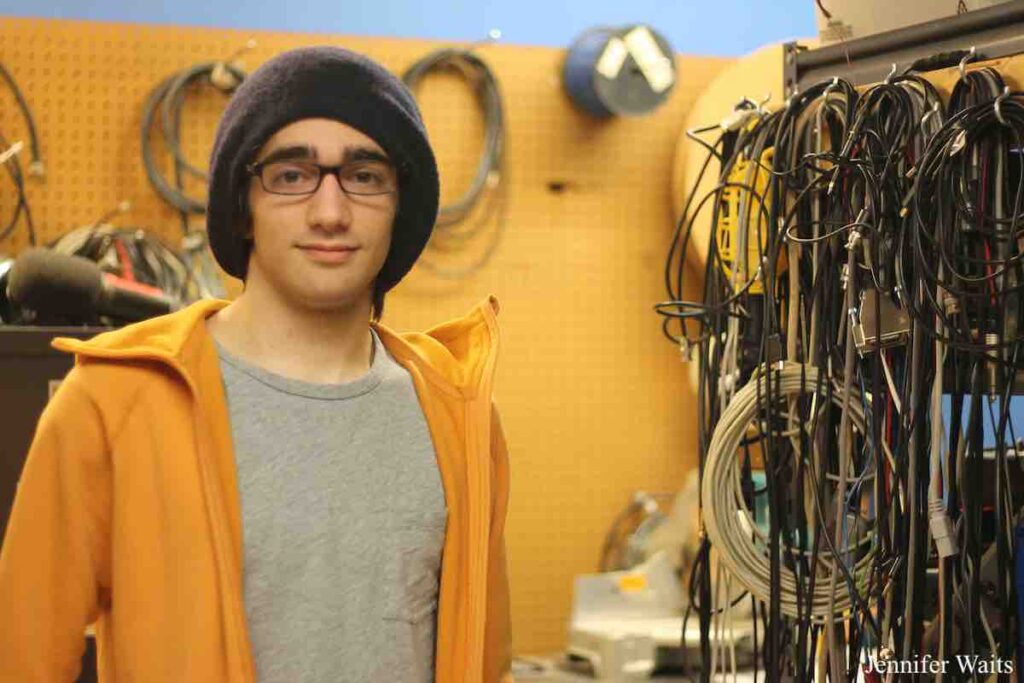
(127, 512)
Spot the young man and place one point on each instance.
(279, 488)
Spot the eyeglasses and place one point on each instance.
(364, 178)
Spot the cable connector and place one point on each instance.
(879, 323)
(37, 170)
(942, 530)
(222, 78)
(854, 240)
(832, 182)
(950, 303)
(992, 366)
(729, 381)
(686, 349)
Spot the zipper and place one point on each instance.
(231, 599)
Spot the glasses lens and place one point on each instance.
(290, 177)
(370, 177)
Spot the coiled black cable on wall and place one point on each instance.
(488, 184)
(163, 108)
(35, 169)
(165, 105)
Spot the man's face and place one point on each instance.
(322, 250)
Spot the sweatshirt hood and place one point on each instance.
(456, 355)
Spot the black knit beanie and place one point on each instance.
(333, 83)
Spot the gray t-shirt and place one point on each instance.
(343, 516)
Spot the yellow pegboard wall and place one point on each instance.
(593, 398)
(87, 83)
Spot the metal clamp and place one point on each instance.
(892, 74)
(761, 111)
(967, 57)
(930, 113)
(998, 102)
(830, 87)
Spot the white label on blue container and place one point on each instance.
(655, 66)
(612, 58)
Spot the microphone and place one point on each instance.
(55, 284)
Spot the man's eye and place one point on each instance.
(367, 177)
(290, 175)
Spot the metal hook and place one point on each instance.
(928, 114)
(967, 57)
(237, 54)
(892, 73)
(493, 36)
(999, 101)
(830, 87)
(760, 105)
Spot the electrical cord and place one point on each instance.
(21, 207)
(165, 105)
(453, 230)
(866, 259)
(13, 165)
(36, 167)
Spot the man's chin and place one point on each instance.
(338, 301)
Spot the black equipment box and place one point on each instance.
(31, 371)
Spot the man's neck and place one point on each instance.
(326, 347)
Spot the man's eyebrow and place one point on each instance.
(308, 153)
(364, 154)
(292, 152)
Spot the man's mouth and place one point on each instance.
(329, 253)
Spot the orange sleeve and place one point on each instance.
(498, 643)
(55, 556)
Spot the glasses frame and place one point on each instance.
(256, 170)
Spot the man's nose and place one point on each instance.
(329, 207)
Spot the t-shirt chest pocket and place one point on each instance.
(412, 569)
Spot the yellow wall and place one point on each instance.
(594, 399)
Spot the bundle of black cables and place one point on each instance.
(894, 212)
(489, 176)
(36, 167)
(836, 167)
(164, 106)
(964, 243)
